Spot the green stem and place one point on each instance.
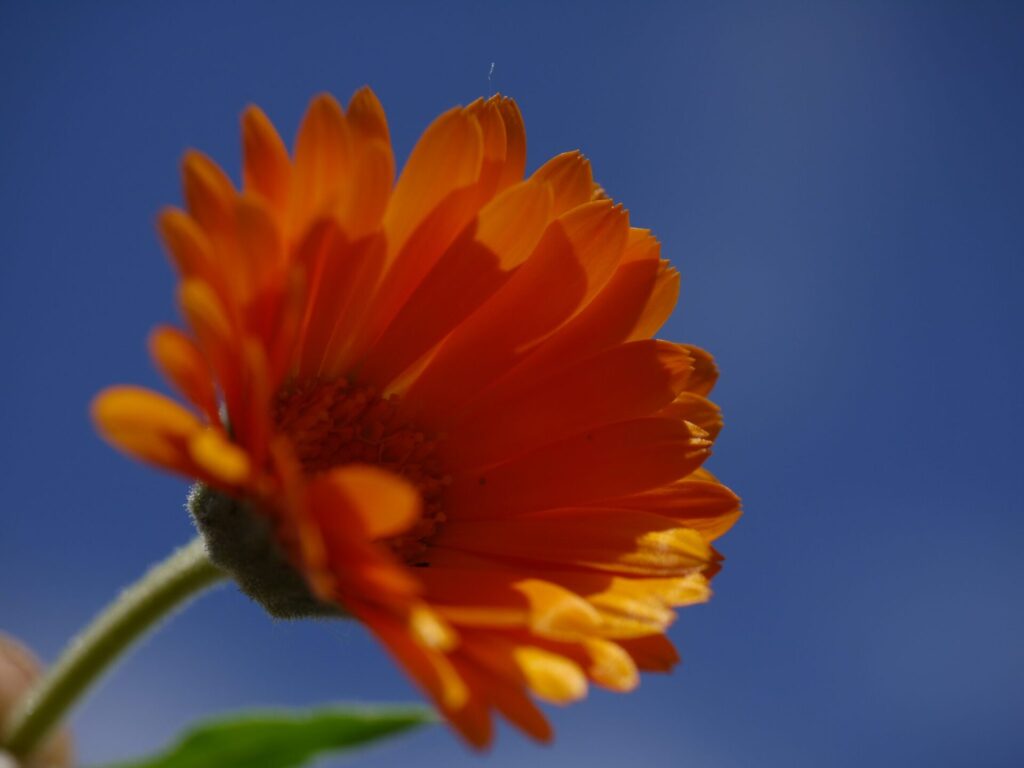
(165, 587)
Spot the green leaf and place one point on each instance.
(282, 739)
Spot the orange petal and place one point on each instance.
(431, 630)
(624, 606)
(323, 157)
(476, 265)
(696, 410)
(219, 457)
(516, 706)
(654, 653)
(214, 331)
(155, 429)
(705, 505)
(431, 669)
(502, 691)
(636, 607)
(266, 167)
(624, 382)
(438, 193)
(209, 193)
(629, 606)
(550, 676)
(253, 425)
(660, 304)
(126, 410)
(181, 361)
(705, 372)
(608, 665)
(406, 269)
(327, 264)
(606, 462)
(473, 722)
(691, 495)
(610, 319)
(190, 250)
(447, 157)
(206, 313)
(499, 597)
(299, 532)
(570, 178)
(260, 246)
(186, 243)
(359, 567)
(386, 504)
(492, 128)
(367, 190)
(515, 137)
(340, 274)
(573, 259)
(606, 540)
(366, 116)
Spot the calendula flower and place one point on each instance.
(442, 399)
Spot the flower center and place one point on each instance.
(333, 423)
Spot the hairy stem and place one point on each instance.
(139, 608)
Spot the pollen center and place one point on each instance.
(333, 423)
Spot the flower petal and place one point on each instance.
(624, 382)
(386, 504)
(570, 178)
(515, 138)
(182, 363)
(159, 431)
(209, 193)
(368, 188)
(266, 167)
(473, 268)
(323, 159)
(654, 653)
(366, 116)
(696, 410)
(219, 457)
(430, 668)
(613, 317)
(552, 677)
(705, 372)
(574, 258)
(705, 505)
(501, 597)
(447, 157)
(605, 540)
(609, 461)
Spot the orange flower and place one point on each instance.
(444, 395)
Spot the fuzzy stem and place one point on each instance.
(139, 608)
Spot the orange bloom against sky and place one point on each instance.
(444, 396)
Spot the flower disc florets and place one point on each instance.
(334, 423)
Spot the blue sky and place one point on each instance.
(841, 186)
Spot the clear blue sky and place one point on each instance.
(842, 187)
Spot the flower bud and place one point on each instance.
(19, 669)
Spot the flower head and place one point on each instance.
(443, 398)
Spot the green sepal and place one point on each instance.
(241, 541)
